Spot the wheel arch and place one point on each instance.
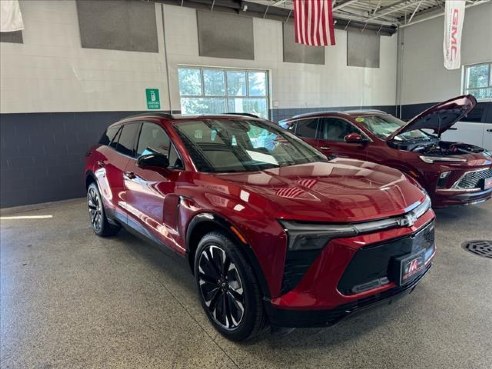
(89, 178)
(204, 223)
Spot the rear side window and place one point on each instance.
(109, 135)
(126, 142)
(307, 128)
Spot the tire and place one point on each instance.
(227, 288)
(97, 214)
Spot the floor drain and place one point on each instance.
(479, 247)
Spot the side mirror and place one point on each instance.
(153, 160)
(354, 138)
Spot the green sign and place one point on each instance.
(153, 101)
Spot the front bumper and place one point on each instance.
(444, 197)
(292, 318)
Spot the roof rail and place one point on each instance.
(244, 114)
(316, 113)
(150, 113)
(364, 111)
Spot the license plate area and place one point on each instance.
(406, 268)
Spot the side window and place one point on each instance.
(153, 139)
(307, 128)
(333, 129)
(109, 135)
(126, 142)
(174, 159)
(114, 141)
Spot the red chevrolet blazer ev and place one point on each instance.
(274, 231)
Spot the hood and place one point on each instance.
(342, 190)
(439, 117)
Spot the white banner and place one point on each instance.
(453, 27)
(11, 17)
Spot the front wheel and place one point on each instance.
(228, 289)
(97, 215)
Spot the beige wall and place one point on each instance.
(51, 72)
(424, 77)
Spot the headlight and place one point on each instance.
(433, 159)
(307, 236)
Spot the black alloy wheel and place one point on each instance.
(97, 215)
(228, 289)
(221, 287)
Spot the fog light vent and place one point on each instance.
(479, 247)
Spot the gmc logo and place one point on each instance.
(454, 32)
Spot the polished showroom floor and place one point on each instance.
(72, 300)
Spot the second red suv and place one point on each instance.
(453, 173)
(273, 230)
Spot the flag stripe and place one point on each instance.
(314, 22)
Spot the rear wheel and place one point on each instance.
(97, 215)
(228, 289)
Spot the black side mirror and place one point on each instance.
(153, 160)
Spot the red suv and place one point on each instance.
(272, 229)
(453, 173)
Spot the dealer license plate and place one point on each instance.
(411, 267)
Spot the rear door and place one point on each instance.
(117, 162)
(111, 166)
(307, 129)
(332, 138)
(150, 195)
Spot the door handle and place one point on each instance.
(101, 164)
(129, 175)
(325, 148)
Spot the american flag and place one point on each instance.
(314, 22)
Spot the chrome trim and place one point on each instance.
(476, 189)
(331, 231)
(455, 184)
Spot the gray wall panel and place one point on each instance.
(223, 35)
(118, 25)
(42, 154)
(363, 49)
(297, 53)
(13, 37)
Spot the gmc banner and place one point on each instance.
(453, 26)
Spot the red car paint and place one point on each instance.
(162, 204)
(384, 150)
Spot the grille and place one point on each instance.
(371, 265)
(472, 179)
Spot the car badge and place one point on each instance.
(406, 221)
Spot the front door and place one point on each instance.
(151, 201)
(332, 139)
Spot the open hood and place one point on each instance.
(439, 117)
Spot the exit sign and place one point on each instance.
(153, 100)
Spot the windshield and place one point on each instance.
(242, 145)
(384, 125)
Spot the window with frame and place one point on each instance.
(307, 128)
(215, 91)
(478, 81)
(126, 140)
(154, 139)
(333, 129)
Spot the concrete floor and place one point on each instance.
(72, 300)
